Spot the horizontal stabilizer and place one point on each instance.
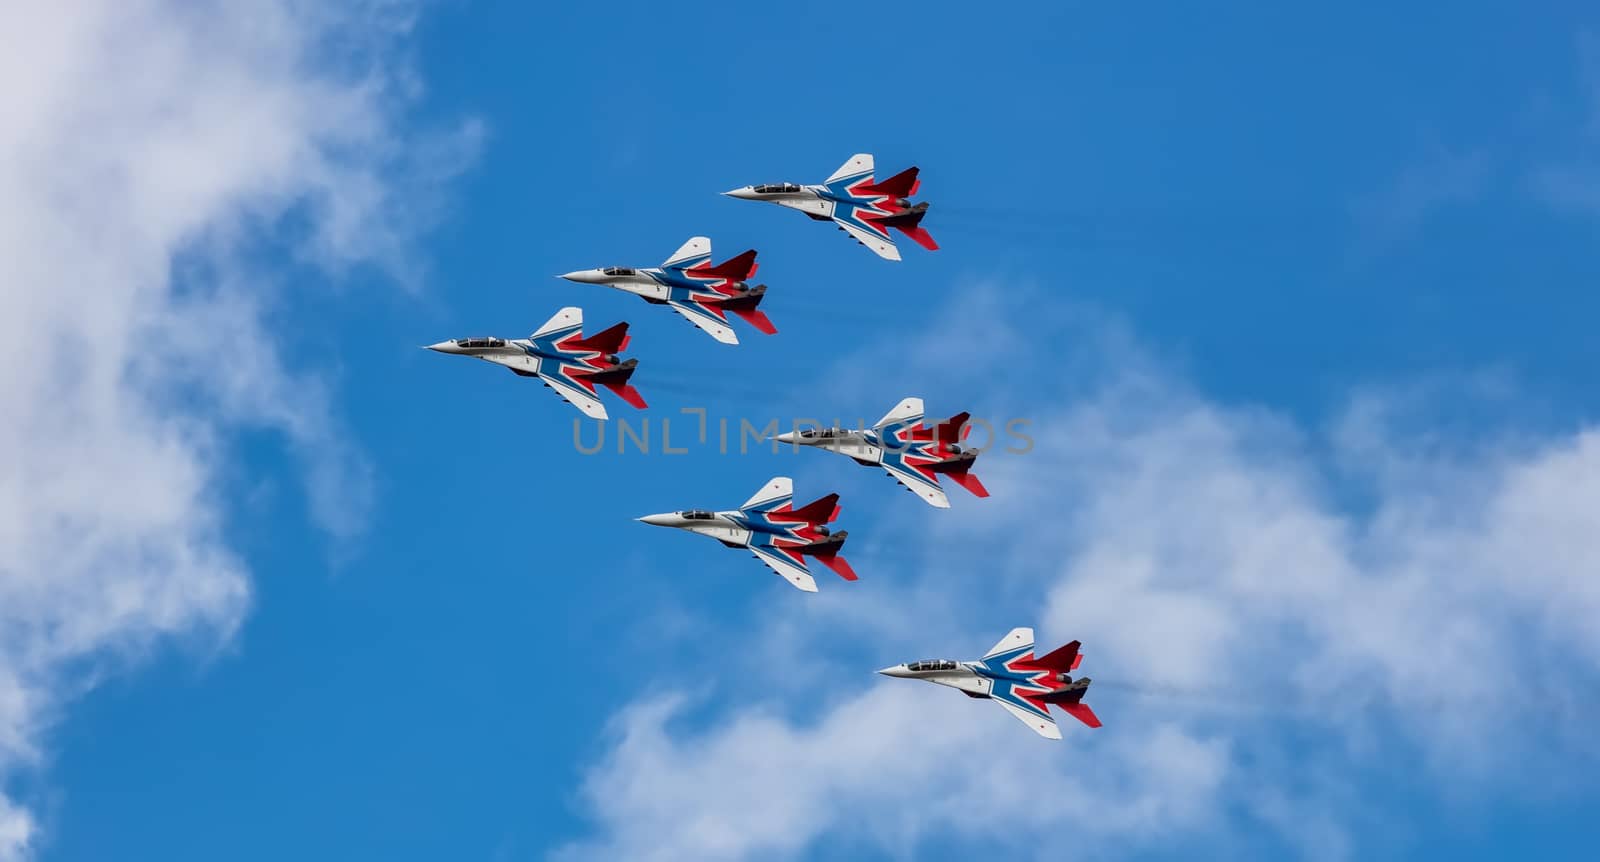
(616, 379)
(838, 564)
(745, 307)
(1081, 712)
(627, 393)
(820, 511)
(966, 480)
(910, 224)
(901, 185)
(733, 269)
(613, 340)
(757, 318)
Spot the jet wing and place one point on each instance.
(713, 325)
(579, 397)
(1015, 640)
(691, 254)
(879, 244)
(1043, 723)
(858, 165)
(570, 317)
(786, 568)
(916, 483)
(907, 412)
(779, 491)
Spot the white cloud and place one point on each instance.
(135, 135)
(1266, 627)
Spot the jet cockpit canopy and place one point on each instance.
(480, 342)
(932, 664)
(619, 270)
(697, 515)
(775, 188)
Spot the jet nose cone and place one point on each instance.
(441, 347)
(663, 520)
(743, 193)
(585, 276)
(788, 437)
(898, 670)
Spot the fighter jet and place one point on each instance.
(559, 355)
(860, 207)
(909, 451)
(689, 285)
(1010, 676)
(777, 534)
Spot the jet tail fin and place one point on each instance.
(745, 307)
(1062, 659)
(952, 429)
(910, 224)
(820, 511)
(965, 479)
(616, 378)
(826, 551)
(901, 185)
(1070, 699)
(613, 340)
(736, 268)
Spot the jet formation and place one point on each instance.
(910, 452)
(1009, 675)
(768, 525)
(860, 207)
(688, 284)
(773, 530)
(562, 359)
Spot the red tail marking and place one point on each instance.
(901, 185)
(821, 511)
(733, 269)
(952, 429)
(612, 340)
(970, 482)
(627, 393)
(745, 307)
(838, 565)
(756, 318)
(1063, 659)
(1081, 712)
(919, 235)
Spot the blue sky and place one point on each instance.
(1326, 277)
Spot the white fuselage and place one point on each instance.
(638, 282)
(863, 446)
(961, 675)
(517, 354)
(725, 527)
(815, 201)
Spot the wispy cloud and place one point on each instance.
(1262, 644)
(136, 135)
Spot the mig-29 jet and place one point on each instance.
(776, 533)
(860, 207)
(912, 453)
(563, 359)
(1010, 676)
(691, 286)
